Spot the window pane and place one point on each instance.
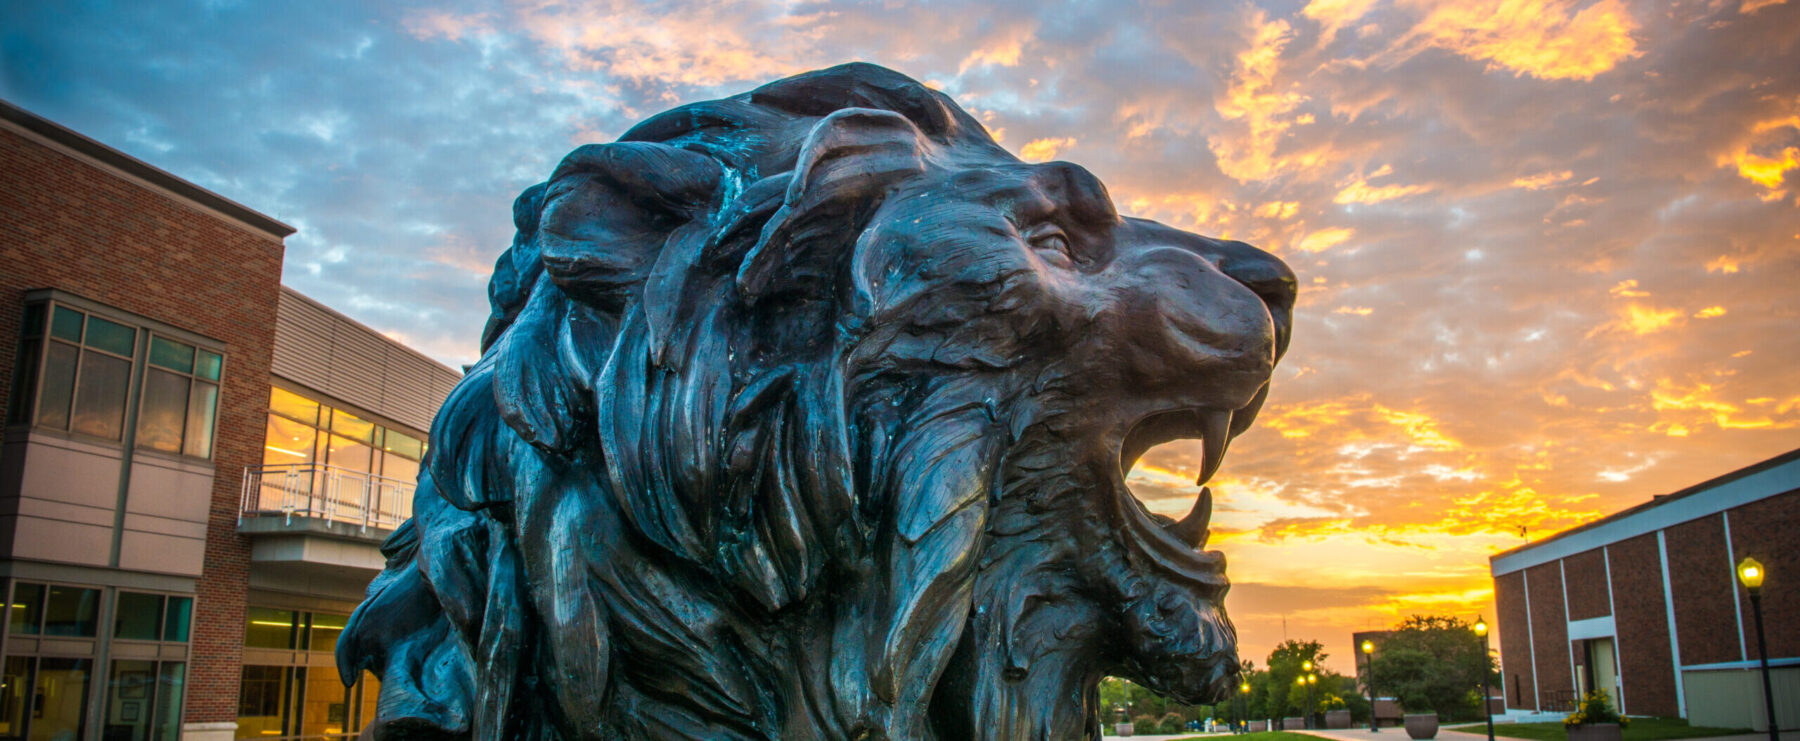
(72, 611)
(129, 691)
(66, 324)
(347, 453)
(293, 405)
(171, 684)
(327, 705)
(112, 337)
(59, 386)
(162, 410)
(262, 695)
(325, 631)
(100, 395)
(287, 441)
(59, 710)
(270, 628)
(201, 406)
(400, 469)
(176, 618)
(24, 385)
(401, 443)
(171, 354)
(371, 692)
(208, 365)
(33, 324)
(14, 681)
(349, 425)
(135, 616)
(27, 608)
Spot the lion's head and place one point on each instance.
(805, 414)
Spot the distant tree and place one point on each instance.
(1433, 663)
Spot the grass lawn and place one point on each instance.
(1261, 736)
(1641, 729)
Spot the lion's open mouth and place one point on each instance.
(1215, 429)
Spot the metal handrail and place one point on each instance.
(312, 490)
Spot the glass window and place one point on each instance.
(67, 324)
(349, 425)
(208, 365)
(72, 611)
(32, 323)
(326, 707)
(15, 679)
(130, 692)
(287, 442)
(293, 406)
(176, 356)
(325, 631)
(171, 684)
(100, 395)
(349, 454)
(203, 403)
(112, 337)
(58, 386)
(59, 709)
(27, 608)
(262, 698)
(162, 411)
(177, 616)
(270, 628)
(370, 688)
(136, 616)
(400, 443)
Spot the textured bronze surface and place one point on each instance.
(805, 414)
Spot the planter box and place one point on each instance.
(1337, 719)
(1421, 726)
(1595, 732)
(1257, 726)
(1293, 724)
(1123, 729)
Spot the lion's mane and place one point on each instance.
(690, 490)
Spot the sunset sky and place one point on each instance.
(1549, 252)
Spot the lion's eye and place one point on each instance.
(1054, 243)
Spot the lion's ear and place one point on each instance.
(845, 168)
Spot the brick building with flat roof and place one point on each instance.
(198, 464)
(1645, 605)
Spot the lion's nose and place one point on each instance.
(1265, 275)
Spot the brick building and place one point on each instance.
(1645, 605)
(173, 567)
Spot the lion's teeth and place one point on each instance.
(1192, 528)
(1216, 426)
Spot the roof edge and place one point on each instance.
(1658, 501)
(290, 290)
(85, 145)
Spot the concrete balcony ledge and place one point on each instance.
(277, 525)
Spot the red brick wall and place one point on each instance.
(1768, 531)
(1642, 625)
(1701, 576)
(1515, 640)
(1549, 629)
(1586, 572)
(69, 225)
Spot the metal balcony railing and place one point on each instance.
(326, 493)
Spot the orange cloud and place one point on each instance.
(1357, 310)
(1333, 15)
(1256, 97)
(1751, 6)
(1361, 192)
(1324, 239)
(1044, 150)
(1710, 312)
(1278, 209)
(1541, 38)
(1542, 180)
(1722, 264)
(1419, 427)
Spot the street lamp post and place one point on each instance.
(1244, 703)
(1306, 713)
(1311, 679)
(1368, 649)
(1487, 709)
(1751, 574)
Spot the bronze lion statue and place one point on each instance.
(805, 414)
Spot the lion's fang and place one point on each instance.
(1216, 426)
(1192, 528)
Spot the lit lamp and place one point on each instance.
(1368, 649)
(1244, 702)
(1751, 574)
(1487, 708)
(1311, 679)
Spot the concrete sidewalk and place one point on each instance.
(1399, 734)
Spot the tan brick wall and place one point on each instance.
(1586, 573)
(70, 225)
(1768, 530)
(1641, 620)
(1701, 576)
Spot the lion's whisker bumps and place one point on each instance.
(805, 414)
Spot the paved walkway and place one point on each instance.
(1399, 734)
